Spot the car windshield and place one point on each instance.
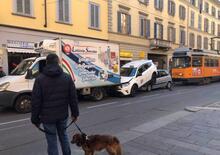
(181, 62)
(129, 72)
(22, 67)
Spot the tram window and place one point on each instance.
(197, 61)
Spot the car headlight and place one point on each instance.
(125, 84)
(4, 86)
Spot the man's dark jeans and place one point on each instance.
(59, 129)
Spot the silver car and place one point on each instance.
(163, 80)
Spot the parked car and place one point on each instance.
(135, 75)
(163, 80)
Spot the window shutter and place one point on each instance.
(141, 26)
(19, 5)
(155, 30)
(27, 9)
(129, 24)
(161, 32)
(119, 22)
(174, 35)
(161, 4)
(155, 3)
(60, 10)
(92, 15)
(66, 6)
(97, 16)
(148, 28)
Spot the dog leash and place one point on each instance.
(51, 133)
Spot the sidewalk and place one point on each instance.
(181, 133)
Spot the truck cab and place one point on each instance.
(15, 89)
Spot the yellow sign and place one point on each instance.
(126, 54)
(142, 54)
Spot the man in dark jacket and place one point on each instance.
(53, 92)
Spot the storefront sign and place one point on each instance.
(126, 54)
(20, 44)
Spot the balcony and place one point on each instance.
(159, 44)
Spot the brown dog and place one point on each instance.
(93, 143)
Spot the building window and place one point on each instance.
(146, 2)
(171, 34)
(124, 23)
(182, 12)
(206, 7)
(218, 45)
(158, 31)
(219, 30)
(158, 4)
(192, 21)
(213, 28)
(94, 15)
(171, 8)
(206, 43)
(213, 11)
(200, 23)
(182, 37)
(199, 42)
(191, 40)
(193, 2)
(144, 27)
(206, 25)
(200, 5)
(64, 11)
(24, 7)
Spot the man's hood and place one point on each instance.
(52, 70)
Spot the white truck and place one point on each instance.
(93, 66)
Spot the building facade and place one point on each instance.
(153, 29)
(23, 22)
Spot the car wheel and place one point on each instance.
(149, 87)
(97, 94)
(23, 104)
(169, 85)
(134, 90)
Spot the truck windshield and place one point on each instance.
(22, 67)
(181, 62)
(129, 72)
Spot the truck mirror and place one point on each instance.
(29, 74)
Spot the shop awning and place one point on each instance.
(19, 50)
(126, 54)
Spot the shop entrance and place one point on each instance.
(159, 60)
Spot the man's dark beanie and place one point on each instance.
(52, 59)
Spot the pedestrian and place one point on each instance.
(53, 92)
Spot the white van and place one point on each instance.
(93, 66)
(135, 75)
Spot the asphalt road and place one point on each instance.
(110, 116)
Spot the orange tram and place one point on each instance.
(195, 66)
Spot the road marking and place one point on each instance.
(101, 105)
(16, 121)
(12, 127)
(124, 104)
